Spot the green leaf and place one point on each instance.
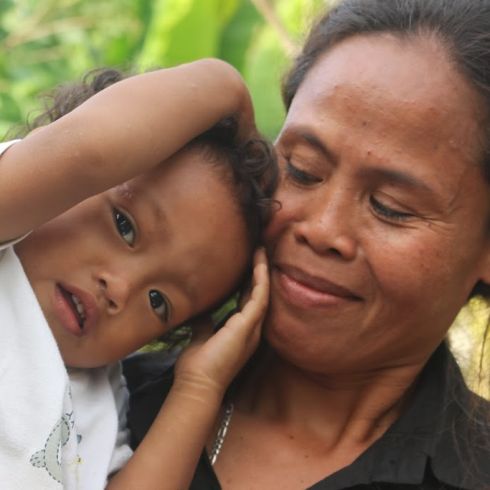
(266, 62)
(182, 31)
(11, 114)
(238, 34)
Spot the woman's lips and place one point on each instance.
(308, 291)
(76, 310)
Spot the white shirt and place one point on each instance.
(57, 429)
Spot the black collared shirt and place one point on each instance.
(441, 441)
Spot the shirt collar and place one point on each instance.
(434, 435)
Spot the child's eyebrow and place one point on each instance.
(130, 193)
(125, 191)
(156, 208)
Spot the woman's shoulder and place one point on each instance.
(455, 421)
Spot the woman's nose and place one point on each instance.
(115, 290)
(329, 228)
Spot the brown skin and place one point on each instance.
(381, 237)
(187, 240)
(167, 456)
(139, 125)
(174, 250)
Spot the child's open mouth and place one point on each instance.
(77, 306)
(75, 309)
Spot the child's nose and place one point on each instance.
(115, 290)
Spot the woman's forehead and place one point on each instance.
(407, 89)
(410, 70)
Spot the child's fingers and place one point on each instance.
(218, 357)
(260, 276)
(257, 303)
(250, 317)
(202, 330)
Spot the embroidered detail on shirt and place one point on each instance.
(50, 457)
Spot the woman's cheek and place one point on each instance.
(291, 210)
(405, 268)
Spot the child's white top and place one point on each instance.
(57, 430)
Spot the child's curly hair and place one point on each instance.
(253, 165)
(254, 171)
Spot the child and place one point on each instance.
(135, 229)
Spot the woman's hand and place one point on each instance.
(212, 360)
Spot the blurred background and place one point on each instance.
(47, 42)
(44, 43)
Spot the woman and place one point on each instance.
(383, 235)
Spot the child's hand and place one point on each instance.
(212, 360)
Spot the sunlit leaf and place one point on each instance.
(239, 33)
(265, 64)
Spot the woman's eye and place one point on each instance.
(388, 213)
(300, 176)
(124, 227)
(160, 304)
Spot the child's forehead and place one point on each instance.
(180, 183)
(126, 190)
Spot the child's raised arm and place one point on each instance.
(168, 455)
(123, 131)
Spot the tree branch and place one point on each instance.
(271, 17)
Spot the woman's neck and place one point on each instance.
(354, 408)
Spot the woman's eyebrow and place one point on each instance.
(303, 134)
(295, 133)
(394, 177)
(320, 145)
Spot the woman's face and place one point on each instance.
(383, 230)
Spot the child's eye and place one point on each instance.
(387, 212)
(124, 226)
(300, 176)
(160, 303)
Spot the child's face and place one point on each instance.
(125, 266)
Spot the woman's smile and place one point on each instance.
(305, 290)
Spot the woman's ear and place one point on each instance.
(485, 267)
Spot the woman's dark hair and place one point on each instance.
(254, 171)
(463, 26)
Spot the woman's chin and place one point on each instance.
(302, 343)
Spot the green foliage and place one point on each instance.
(48, 42)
